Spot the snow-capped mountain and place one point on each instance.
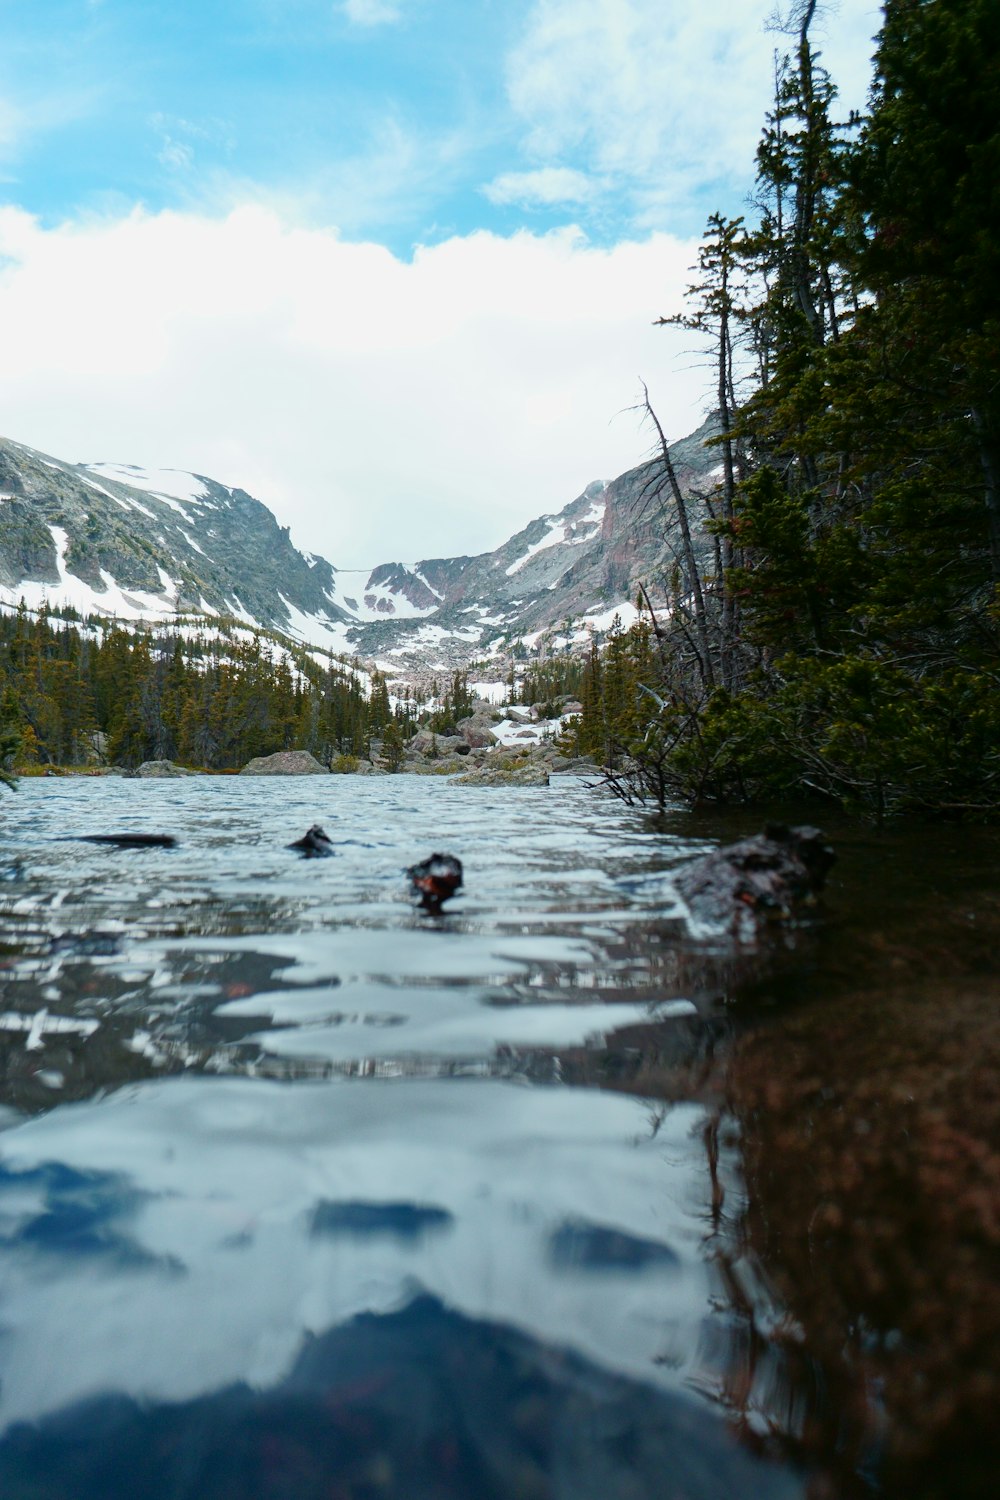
(116, 540)
(132, 543)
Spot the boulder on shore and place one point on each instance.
(285, 763)
(477, 731)
(426, 742)
(576, 765)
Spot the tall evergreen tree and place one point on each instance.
(861, 541)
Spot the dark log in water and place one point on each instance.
(126, 840)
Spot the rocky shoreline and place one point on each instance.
(473, 755)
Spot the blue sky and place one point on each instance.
(109, 102)
(406, 120)
(543, 150)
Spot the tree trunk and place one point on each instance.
(701, 619)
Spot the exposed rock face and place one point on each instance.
(399, 583)
(153, 769)
(285, 763)
(585, 559)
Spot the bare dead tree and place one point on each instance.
(666, 474)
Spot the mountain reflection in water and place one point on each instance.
(418, 1403)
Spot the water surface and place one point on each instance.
(292, 1161)
(306, 1193)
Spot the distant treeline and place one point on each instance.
(70, 694)
(76, 692)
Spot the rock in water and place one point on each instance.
(314, 843)
(285, 763)
(505, 775)
(154, 769)
(741, 888)
(435, 880)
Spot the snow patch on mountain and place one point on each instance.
(316, 630)
(136, 604)
(390, 591)
(93, 484)
(564, 531)
(604, 619)
(175, 484)
(552, 537)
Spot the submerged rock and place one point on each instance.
(128, 840)
(285, 763)
(741, 888)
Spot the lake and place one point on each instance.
(304, 1192)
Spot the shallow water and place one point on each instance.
(271, 1099)
(305, 1193)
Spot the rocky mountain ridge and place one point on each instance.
(131, 543)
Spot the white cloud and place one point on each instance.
(669, 98)
(370, 12)
(383, 408)
(175, 154)
(546, 187)
(394, 177)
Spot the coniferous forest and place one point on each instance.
(843, 641)
(72, 695)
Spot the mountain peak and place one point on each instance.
(122, 540)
